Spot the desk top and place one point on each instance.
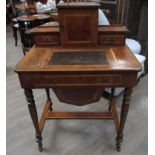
(33, 17)
(106, 59)
(78, 5)
(49, 24)
(47, 11)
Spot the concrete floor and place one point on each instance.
(70, 137)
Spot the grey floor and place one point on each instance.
(70, 137)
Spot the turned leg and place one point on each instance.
(15, 35)
(111, 98)
(34, 116)
(49, 98)
(124, 112)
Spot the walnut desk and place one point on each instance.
(79, 79)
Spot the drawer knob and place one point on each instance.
(105, 80)
(51, 82)
(111, 39)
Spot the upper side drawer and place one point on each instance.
(111, 39)
(44, 39)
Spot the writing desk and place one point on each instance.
(78, 59)
(89, 70)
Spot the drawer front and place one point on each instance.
(111, 39)
(41, 40)
(49, 81)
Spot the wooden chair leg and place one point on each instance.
(13, 32)
(15, 35)
(16, 38)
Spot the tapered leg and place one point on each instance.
(124, 112)
(49, 99)
(34, 116)
(111, 98)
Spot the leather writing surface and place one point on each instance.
(78, 58)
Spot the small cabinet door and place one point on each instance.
(79, 27)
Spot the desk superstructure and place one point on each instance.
(78, 67)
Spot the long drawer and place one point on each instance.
(85, 80)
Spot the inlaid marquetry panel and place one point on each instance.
(81, 31)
